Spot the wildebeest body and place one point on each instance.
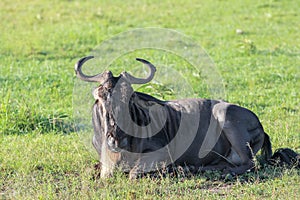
(219, 112)
(138, 132)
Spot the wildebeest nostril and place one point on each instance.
(111, 141)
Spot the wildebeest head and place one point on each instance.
(111, 89)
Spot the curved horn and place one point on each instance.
(134, 80)
(82, 76)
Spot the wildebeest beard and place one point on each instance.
(139, 105)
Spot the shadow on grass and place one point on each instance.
(22, 117)
(23, 123)
(261, 173)
(277, 52)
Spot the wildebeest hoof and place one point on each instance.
(133, 176)
(228, 176)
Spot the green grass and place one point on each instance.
(42, 157)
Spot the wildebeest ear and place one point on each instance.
(133, 80)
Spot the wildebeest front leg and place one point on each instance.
(241, 154)
(106, 171)
(147, 163)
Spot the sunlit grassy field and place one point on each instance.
(255, 46)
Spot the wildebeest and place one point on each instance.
(138, 132)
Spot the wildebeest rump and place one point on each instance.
(138, 132)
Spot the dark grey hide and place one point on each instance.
(139, 133)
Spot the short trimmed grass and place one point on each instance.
(42, 157)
